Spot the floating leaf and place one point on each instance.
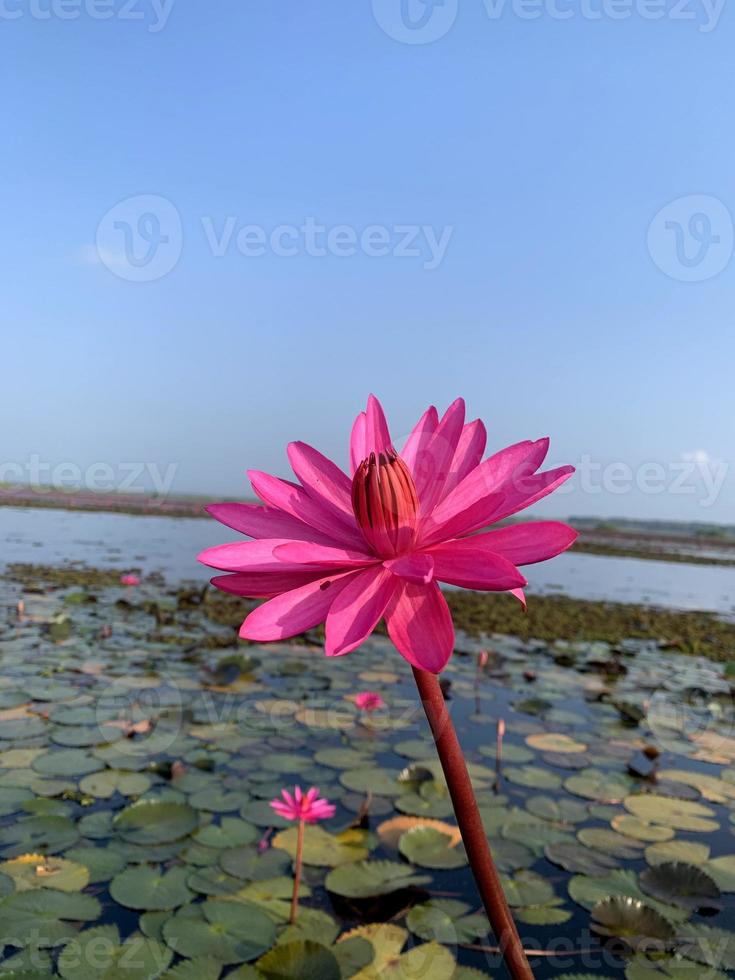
(323, 849)
(229, 932)
(43, 917)
(367, 879)
(446, 921)
(679, 814)
(155, 821)
(430, 848)
(680, 884)
(302, 959)
(632, 920)
(148, 888)
(41, 871)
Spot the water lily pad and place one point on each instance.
(155, 821)
(271, 895)
(105, 784)
(677, 883)
(41, 871)
(98, 954)
(598, 785)
(389, 831)
(641, 830)
(610, 842)
(705, 944)
(561, 810)
(632, 920)
(446, 921)
(46, 834)
(66, 762)
(722, 870)
(527, 888)
(228, 932)
(323, 849)
(533, 776)
(551, 742)
(149, 889)
(249, 864)
(102, 863)
(579, 859)
(367, 879)
(382, 782)
(230, 832)
(44, 917)
(691, 852)
(430, 848)
(302, 959)
(679, 814)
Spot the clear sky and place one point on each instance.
(521, 159)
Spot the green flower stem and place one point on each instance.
(297, 871)
(470, 825)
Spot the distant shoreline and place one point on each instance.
(603, 538)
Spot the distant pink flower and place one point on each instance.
(308, 806)
(483, 659)
(350, 551)
(369, 701)
(129, 579)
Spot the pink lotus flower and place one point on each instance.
(352, 551)
(369, 701)
(129, 579)
(309, 806)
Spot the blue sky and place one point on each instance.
(522, 157)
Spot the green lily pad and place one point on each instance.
(105, 784)
(302, 959)
(46, 835)
(44, 917)
(322, 849)
(149, 889)
(39, 871)
(229, 932)
(678, 814)
(248, 864)
(155, 822)
(430, 848)
(680, 884)
(630, 919)
(367, 879)
(446, 921)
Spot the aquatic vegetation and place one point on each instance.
(136, 773)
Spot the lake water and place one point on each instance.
(170, 545)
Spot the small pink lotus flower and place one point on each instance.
(309, 806)
(129, 579)
(369, 701)
(352, 550)
(483, 659)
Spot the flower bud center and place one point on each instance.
(385, 503)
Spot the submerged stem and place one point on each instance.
(297, 871)
(470, 825)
